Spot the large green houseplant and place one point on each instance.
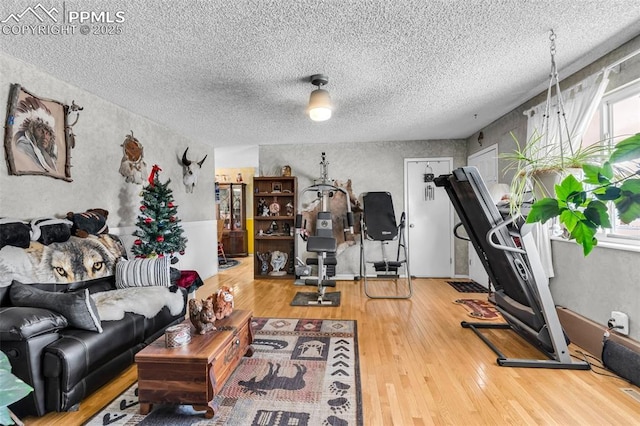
(537, 166)
(583, 210)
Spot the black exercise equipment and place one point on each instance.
(378, 223)
(506, 248)
(323, 242)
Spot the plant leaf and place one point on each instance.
(577, 198)
(567, 187)
(570, 219)
(609, 193)
(585, 236)
(597, 175)
(543, 210)
(626, 150)
(598, 214)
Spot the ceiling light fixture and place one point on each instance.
(320, 107)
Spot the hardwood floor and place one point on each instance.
(419, 367)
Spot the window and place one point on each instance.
(618, 118)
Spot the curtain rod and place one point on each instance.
(621, 60)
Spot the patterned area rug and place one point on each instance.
(230, 263)
(479, 309)
(468, 287)
(304, 372)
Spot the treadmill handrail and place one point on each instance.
(458, 236)
(499, 227)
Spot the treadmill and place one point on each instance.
(507, 250)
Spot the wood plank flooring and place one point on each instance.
(419, 366)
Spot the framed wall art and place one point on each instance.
(35, 138)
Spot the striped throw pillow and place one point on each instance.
(143, 272)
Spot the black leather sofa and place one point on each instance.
(64, 364)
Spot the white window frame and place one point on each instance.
(608, 237)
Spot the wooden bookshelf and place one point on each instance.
(274, 204)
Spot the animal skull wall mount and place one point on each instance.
(190, 171)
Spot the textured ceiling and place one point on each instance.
(232, 72)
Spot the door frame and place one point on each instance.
(452, 263)
(471, 250)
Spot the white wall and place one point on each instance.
(235, 157)
(95, 161)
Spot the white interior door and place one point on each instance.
(429, 218)
(487, 163)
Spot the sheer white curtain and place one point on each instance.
(580, 103)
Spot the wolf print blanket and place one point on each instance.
(147, 301)
(77, 259)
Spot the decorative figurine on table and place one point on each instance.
(264, 262)
(201, 315)
(278, 262)
(222, 302)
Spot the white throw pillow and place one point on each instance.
(143, 272)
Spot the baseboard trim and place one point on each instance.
(588, 334)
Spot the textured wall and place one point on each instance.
(95, 162)
(371, 166)
(608, 279)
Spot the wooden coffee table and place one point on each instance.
(194, 373)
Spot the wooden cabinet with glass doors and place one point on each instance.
(231, 211)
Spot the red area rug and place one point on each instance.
(479, 309)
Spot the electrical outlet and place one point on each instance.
(620, 322)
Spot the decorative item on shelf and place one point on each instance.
(289, 209)
(276, 187)
(264, 261)
(278, 262)
(202, 315)
(177, 335)
(273, 228)
(274, 208)
(286, 170)
(263, 209)
(190, 171)
(239, 177)
(286, 228)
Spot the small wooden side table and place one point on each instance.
(194, 373)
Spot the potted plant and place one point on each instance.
(538, 166)
(583, 210)
(12, 389)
